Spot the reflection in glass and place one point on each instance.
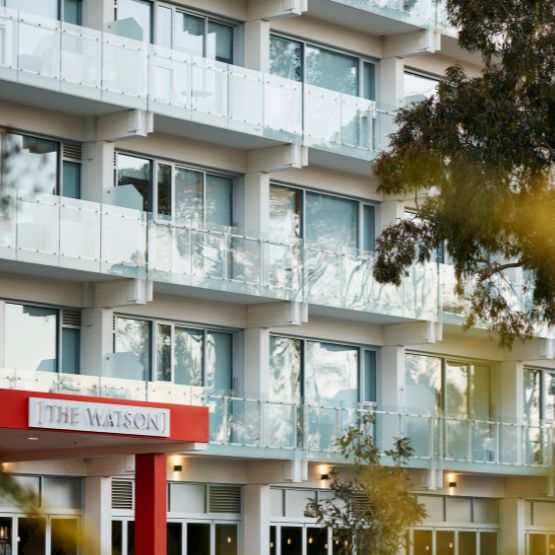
(31, 535)
(189, 34)
(136, 172)
(218, 361)
(73, 11)
(285, 368)
(70, 363)
(141, 12)
(5, 536)
(445, 542)
(456, 399)
(273, 546)
(164, 190)
(369, 77)
(226, 539)
(422, 542)
(45, 8)
(316, 541)
(331, 222)
(422, 384)
(286, 58)
(61, 493)
(291, 540)
(174, 538)
(189, 195)
(418, 87)
(71, 179)
(163, 352)
(189, 355)
(64, 536)
(31, 337)
(219, 42)
(164, 26)
(31, 164)
(549, 395)
(331, 70)
(285, 213)
(218, 200)
(369, 230)
(198, 538)
(133, 336)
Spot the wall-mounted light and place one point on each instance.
(324, 476)
(3, 533)
(177, 467)
(453, 484)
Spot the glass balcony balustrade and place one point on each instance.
(107, 68)
(107, 239)
(279, 429)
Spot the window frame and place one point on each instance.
(362, 59)
(360, 211)
(419, 73)
(543, 402)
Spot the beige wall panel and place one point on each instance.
(197, 469)
(327, 33)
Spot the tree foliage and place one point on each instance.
(371, 507)
(478, 158)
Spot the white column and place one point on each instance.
(257, 204)
(97, 13)
(391, 81)
(257, 362)
(96, 339)
(2, 334)
(97, 504)
(257, 45)
(389, 212)
(512, 525)
(256, 519)
(98, 170)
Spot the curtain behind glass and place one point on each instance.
(332, 70)
(331, 222)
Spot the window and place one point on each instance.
(178, 29)
(70, 10)
(322, 67)
(55, 338)
(174, 192)
(417, 86)
(182, 354)
(35, 165)
(330, 221)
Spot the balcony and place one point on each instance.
(258, 428)
(89, 72)
(87, 240)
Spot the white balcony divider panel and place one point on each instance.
(97, 65)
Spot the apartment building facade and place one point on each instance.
(188, 317)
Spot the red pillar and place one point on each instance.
(150, 504)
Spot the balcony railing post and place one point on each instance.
(469, 450)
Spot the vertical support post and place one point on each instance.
(97, 502)
(512, 519)
(257, 519)
(257, 45)
(98, 170)
(150, 504)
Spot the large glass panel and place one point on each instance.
(218, 200)
(71, 179)
(331, 373)
(370, 391)
(187, 498)
(226, 539)
(291, 540)
(331, 222)
(456, 389)
(133, 336)
(45, 8)
(285, 368)
(136, 172)
(369, 228)
(537, 544)
(31, 534)
(480, 392)
(189, 34)
(331, 70)
(174, 538)
(73, 11)
(418, 87)
(316, 541)
(117, 537)
(141, 12)
(532, 407)
(31, 337)
(285, 213)
(63, 536)
(131, 538)
(488, 543)
(198, 538)
(189, 356)
(71, 351)
(422, 383)
(164, 179)
(286, 58)
(422, 542)
(445, 542)
(164, 352)
(189, 195)
(219, 42)
(163, 35)
(549, 396)
(31, 164)
(218, 361)
(6, 536)
(467, 543)
(369, 77)
(61, 493)
(273, 546)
